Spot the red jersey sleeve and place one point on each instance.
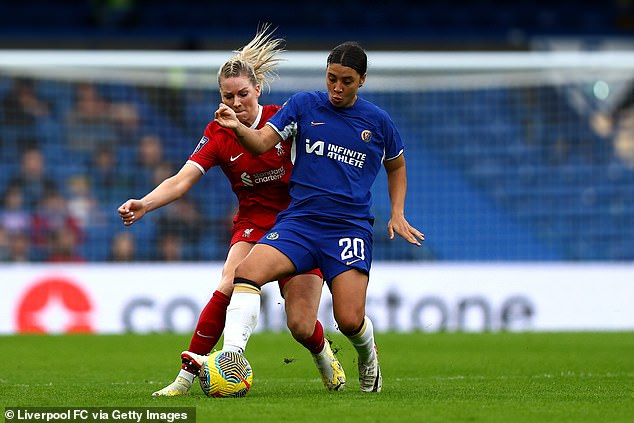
(207, 152)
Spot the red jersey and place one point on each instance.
(259, 182)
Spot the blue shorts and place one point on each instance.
(331, 245)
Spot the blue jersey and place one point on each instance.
(338, 154)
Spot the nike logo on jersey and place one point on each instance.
(317, 123)
(233, 159)
(348, 263)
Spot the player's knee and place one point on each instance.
(300, 328)
(348, 322)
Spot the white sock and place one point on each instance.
(363, 341)
(185, 374)
(242, 318)
(321, 358)
(323, 363)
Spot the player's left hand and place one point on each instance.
(226, 117)
(403, 228)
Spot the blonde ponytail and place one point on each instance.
(257, 59)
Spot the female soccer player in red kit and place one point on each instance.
(261, 186)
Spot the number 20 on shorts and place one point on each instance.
(352, 248)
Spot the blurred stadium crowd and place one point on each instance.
(70, 157)
(71, 152)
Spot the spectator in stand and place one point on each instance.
(151, 168)
(32, 180)
(51, 217)
(95, 121)
(123, 247)
(20, 248)
(14, 217)
(82, 204)
(63, 247)
(27, 119)
(170, 248)
(23, 106)
(182, 220)
(108, 179)
(150, 153)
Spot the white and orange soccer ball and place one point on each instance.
(225, 374)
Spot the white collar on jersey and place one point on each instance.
(256, 122)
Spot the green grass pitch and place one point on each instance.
(446, 377)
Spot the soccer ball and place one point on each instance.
(225, 374)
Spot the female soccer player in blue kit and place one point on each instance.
(341, 142)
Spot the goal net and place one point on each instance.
(510, 156)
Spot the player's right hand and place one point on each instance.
(131, 211)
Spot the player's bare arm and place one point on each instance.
(397, 187)
(256, 141)
(171, 189)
